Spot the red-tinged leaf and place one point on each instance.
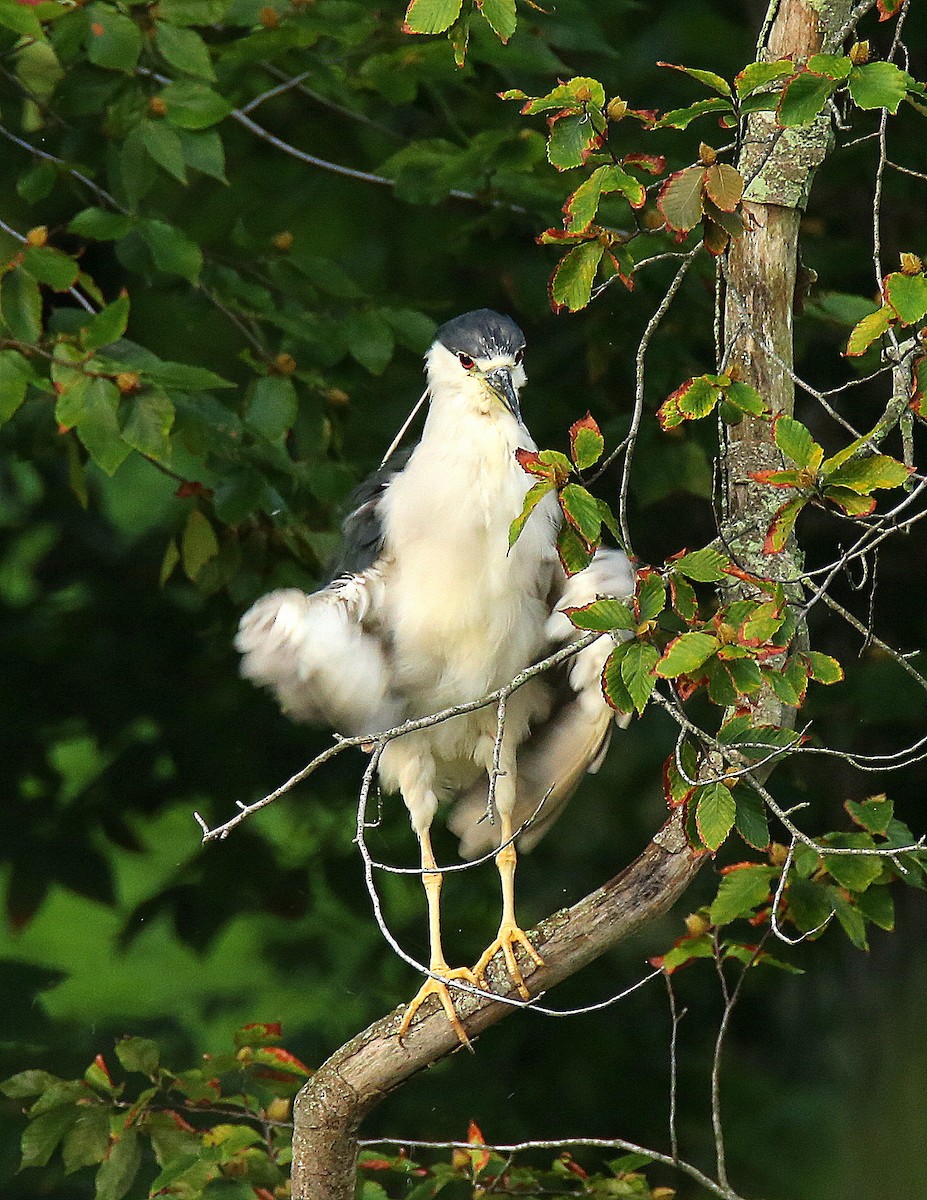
(614, 689)
(919, 387)
(869, 474)
(570, 285)
(601, 615)
(263, 1193)
(758, 74)
(780, 479)
(586, 442)
(277, 1054)
(475, 1138)
(686, 654)
(889, 9)
(651, 595)
(709, 78)
(725, 185)
(653, 164)
(714, 237)
(852, 503)
(376, 1164)
(637, 672)
(681, 118)
(431, 16)
(582, 511)
(530, 461)
(257, 1033)
(822, 668)
(677, 789)
(680, 199)
(569, 1162)
(683, 952)
(869, 329)
(552, 237)
(704, 566)
(782, 524)
(573, 552)
(907, 295)
(684, 599)
(764, 623)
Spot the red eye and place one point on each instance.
(465, 361)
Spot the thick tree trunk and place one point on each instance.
(757, 328)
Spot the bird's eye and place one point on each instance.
(465, 361)
(518, 357)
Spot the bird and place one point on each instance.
(427, 607)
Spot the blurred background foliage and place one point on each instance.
(314, 294)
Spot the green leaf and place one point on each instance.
(637, 672)
(49, 266)
(872, 326)
(574, 554)
(182, 376)
(43, 1133)
(572, 136)
(28, 1083)
(90, 406)
(203, 151)
(21, 305)
(854, 872)
(698, 397)
(582, 512)
(852, 503)
(431, 16)
(193, 12)
(681, 118)
(602, 615)
(796, 443)
(651, 596)
(501, 16)
(198, 544)
(804, 97)
(746, 398)
(15, 374)
(184, 49)
(86, 1141)
(193, 105)
(112, 40)
(834, 66)
(704, 566)
(118, 1171)
(878, 85)
(21, 19)
(744, 673)
(533, 498)
(680, 199)
(614, 688)
(138, 1053)
(876, 905)
(686, 654)
(586, 442)
(272, 407)
(751, 820)
(370, 340)
(782, 524)
(758, 74)
(100, 225)
(173, 252)
(147, 423)
(742, 889)
(709, 78)
(571, 283)
(714, 814)
(874, 815)
(823, 668)
(684, 599)
(907, 295)
(108, 325)
(864, 475)
(577, 93)
(163, 144)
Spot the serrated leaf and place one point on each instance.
(184, 49)
(878, 85)
(577, 93)
(49, 266)
(431, 16)
(855, 872)
(173, 252)
(751, 820)
(86, 1141)
(725, 185)
(614, 688)
(758, 74)
(681, 118)
(108, 325)
(501, 16)
(709, 78)
(21, 305)
(572, 137)
(907, 295)
(97, 426)
(138, 1053)
(714, 814)
(680, 199)
(582, 511)
(163, 144)
(835, 66)
(741, 890)
(198, 544)
(874, 815)
(651, 596)
(852, 503)
(574, 554)
(572, 280)
(586, 442)
(704, 566)
(41, 1136)
(804, 98)
(112, 40)
(782, 524)
(864, 475)
(533, 498)
(866, 331)
(117, 1174)
(746, 398)
(147, 422)
(796, 443)
(876, 905)
(823, 668)
(100, 225)
(685, 602)
(15, 374)
(602, 615)
(686, 654)
(637, 672)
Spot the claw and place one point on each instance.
(437, 987)
(508, 937)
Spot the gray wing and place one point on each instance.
(362, 529)
(574, 738)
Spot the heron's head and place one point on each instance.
(478, 358)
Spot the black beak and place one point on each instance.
(500, 381)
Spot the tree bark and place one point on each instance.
(759, 289)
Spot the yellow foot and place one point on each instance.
(507, 939)
(437, 987)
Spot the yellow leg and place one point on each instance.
(432, 880)
(510, 933)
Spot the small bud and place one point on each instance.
(778, 854)
(269, 17)
(706, 154)
(337, 397)
(859, 53)
(278, 1109)
(283, 240)
(37, 236)
(697, 924)
(157, 106)
(127, 382)
(911, 264)
(245, 1054)
(284, 364)
(617, 109)
(652, 218)
(583, 94)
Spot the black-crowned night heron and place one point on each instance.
(428, 608)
